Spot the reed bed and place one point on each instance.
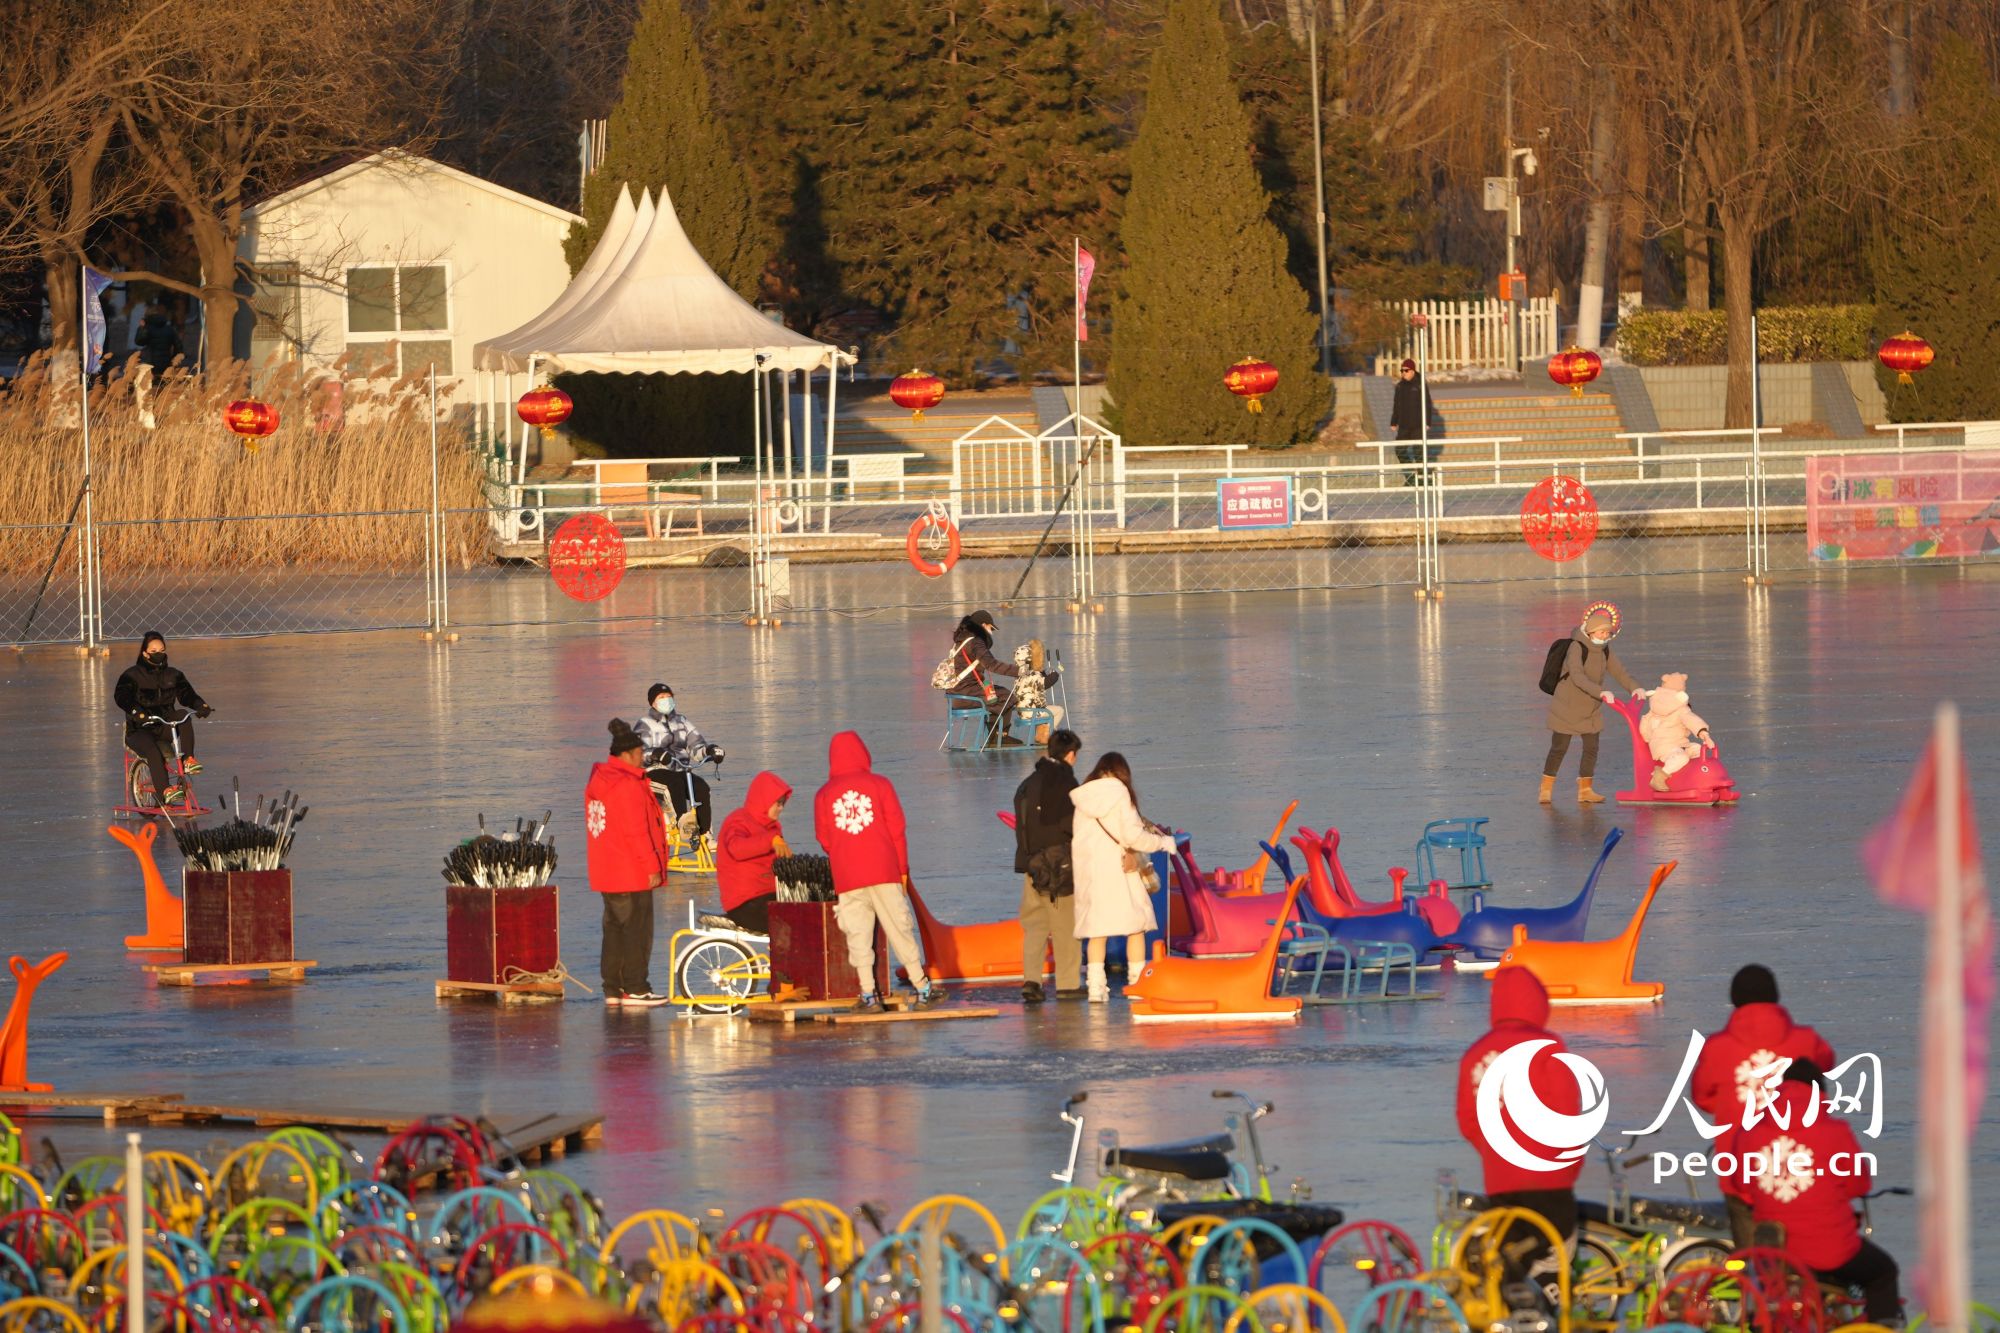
(344, 483)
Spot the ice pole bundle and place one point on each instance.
(522, 859)
(803, 879)
(260, 842)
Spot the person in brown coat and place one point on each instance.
(1578, 706)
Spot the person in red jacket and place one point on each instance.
(1806, 1178)
(1733, 1063)
(627, 856)
(1520, 1009)
(749, 842)
(859, 822)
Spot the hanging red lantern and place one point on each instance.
(1251, 379)
(917, 390)
(545, 408)
(251, 419)
(1905, 354)
(1576, 368)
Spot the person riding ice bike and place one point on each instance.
(674, 746)
(156, 699)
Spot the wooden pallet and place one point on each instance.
(793, 1011)
(910, 1015)
(115, 1106)
(519, 992)
(190, 974)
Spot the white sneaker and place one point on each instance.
(1099, 995)
(645, 1000)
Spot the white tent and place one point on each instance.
(658, 308)
(509, 351)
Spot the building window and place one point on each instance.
(276, 333)
(408, 305)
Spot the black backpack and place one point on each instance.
(1552, 665)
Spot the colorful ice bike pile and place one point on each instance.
(296, 1231)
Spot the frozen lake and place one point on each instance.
(1380, 712)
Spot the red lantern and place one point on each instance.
(1576, 368)
(1251, 379)
(546, 408)
(1905, 354)
(250, 419)
(916, 391)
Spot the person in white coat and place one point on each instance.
(1109, 841)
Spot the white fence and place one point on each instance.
(1486, 334)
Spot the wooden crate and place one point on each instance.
(236, 916)
(808, 951)
(489, 932)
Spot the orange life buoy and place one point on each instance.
(930, 523)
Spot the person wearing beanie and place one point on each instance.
(1414, 417)
(674, 745)
(1734, 1063)
(1802, 1173)
(626, 852)
(1520, 1013)
(1577, 706)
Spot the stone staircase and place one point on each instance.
(875, 425)
(1548, 425)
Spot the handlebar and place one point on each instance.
(187, 715)
(1257, 1110)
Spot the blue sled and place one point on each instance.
(1486, 932)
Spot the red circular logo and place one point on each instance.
(1559, 518)
(587, 557)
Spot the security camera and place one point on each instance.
(1529, 162)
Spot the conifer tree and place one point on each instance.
(662, 134)
(1937, 269)
(1203, 279)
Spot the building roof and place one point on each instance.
(397, 158)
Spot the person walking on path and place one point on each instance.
(1577, 707)
(627, 859)
(1520, 1014)
(1110, 842)
(1043, 819)
(746, 850)
(859, 823)
(1414, 419)
(1737, 1062)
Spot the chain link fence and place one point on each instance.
(1067, 517)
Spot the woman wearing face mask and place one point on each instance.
(150, 692)
(1578, 706)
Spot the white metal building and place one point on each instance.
(396, 261)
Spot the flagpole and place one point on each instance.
(86, 548)
(1076, 325)
(1951, 1268)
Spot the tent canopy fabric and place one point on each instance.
(653, 306)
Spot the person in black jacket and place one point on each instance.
(974, 668)
(151, 692)
(1042, 815)
(1414, 417)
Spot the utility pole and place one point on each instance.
(1319, 204)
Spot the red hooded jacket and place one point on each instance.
(627, 837)
(1815, 1205)
(746, 845)
(858, 819)
(1520, 1011)
(1756, 1036)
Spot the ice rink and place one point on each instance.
(1379, 711)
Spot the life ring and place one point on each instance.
(930, 523)
(787, 513)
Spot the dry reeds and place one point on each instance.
(344, 483)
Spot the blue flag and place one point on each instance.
(94, 284)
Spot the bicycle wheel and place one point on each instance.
(1599, 1284)
(140, 792)
(713, 976)
(1695, 1252)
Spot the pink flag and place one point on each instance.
(1902, 856)
(1086, 265)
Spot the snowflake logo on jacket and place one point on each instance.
(853, 812)
(1781, 1181)
(1757, 1081)
(593, 817)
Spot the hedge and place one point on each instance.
(1701, 337)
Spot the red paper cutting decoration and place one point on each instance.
(1559, 518)
(587, 557)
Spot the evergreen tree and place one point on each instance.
(1937, 268)
(1203, 280)
(662, 134)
